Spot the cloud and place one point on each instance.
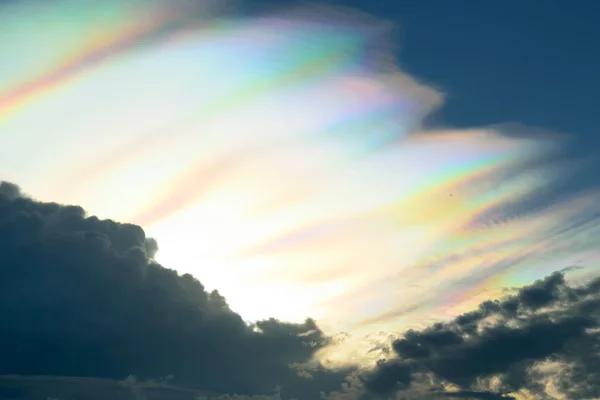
(166, 102)
(508, 247)
(80, 296)
(504, 348)
(83, 297)
(274, 137)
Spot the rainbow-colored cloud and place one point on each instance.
(281, 158)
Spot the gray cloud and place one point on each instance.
(83, 297)
(501, 348)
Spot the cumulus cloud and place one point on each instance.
(80, 296)
(506, 348)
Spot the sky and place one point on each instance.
(340, 171)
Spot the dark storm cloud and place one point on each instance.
(80, 296)
(512, 341)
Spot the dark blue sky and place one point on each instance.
(534, 62)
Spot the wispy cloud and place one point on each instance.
(293, 149)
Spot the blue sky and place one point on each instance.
(534, 62)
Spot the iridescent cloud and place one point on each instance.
(281, 158)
